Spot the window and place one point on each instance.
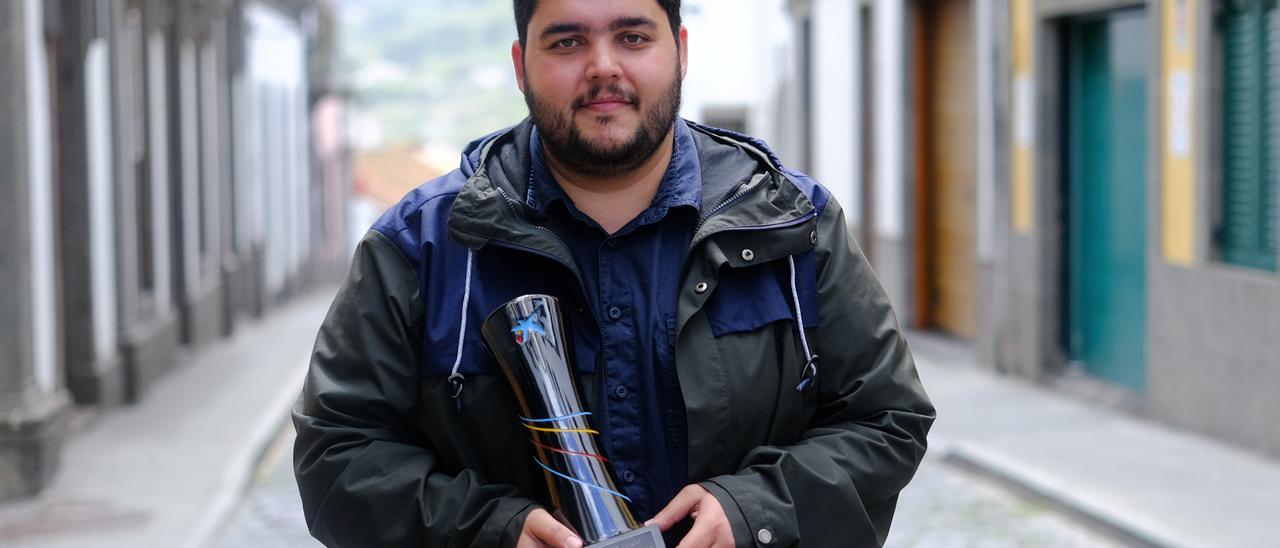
(1249, 64)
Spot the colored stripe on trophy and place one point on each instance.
(571, 430)
(568, 452)
(576, 480)
(553, 419)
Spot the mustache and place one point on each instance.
(612, 90)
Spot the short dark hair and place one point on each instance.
(524, 12)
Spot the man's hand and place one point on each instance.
(710, 525)
(541, 530)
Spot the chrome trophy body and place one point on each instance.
(528, 337)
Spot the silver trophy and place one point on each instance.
(527, 337)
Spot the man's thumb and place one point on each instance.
(549, 530)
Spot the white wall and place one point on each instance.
(102, 265)
(277, 87)
(888, 34)
(44, 328)
(733, 60)
(835, 96)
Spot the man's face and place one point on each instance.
(602, 80)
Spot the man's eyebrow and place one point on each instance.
(563, 28)
(616, 25)
(631, 22)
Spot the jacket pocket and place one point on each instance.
(749, 298)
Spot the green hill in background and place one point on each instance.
(431, 71)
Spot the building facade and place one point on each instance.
(163, 184)
(1083, 189)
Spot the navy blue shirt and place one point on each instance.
(632, 279)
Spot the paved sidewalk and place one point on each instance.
(1142, 482)
(168, 471)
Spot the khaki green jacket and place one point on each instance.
(386, 457)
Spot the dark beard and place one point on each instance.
(563, 140)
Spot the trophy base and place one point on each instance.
(644, 537)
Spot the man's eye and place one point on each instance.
(565, 43)
(633, 39)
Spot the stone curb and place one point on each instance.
(1116, 522)
(237, 475)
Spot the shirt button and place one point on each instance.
(613, 244)
(615, 312)
(628, 476)
(765, 536)
(620, 392)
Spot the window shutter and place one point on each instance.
(1250, 69)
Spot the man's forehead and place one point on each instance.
(594, 14)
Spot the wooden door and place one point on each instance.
(946, 188)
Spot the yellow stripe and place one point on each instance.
(578, 430)
(1178, 167)
(1022, 195)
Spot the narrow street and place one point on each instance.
(270, 514)
(944, 507)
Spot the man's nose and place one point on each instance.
(603, 64)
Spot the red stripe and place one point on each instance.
(568, 452)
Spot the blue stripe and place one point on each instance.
(576, 480)
(553, 419)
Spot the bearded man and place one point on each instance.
(704, 280)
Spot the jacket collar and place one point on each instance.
(681, 185)
(743, 190)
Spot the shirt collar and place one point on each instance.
(681, 184)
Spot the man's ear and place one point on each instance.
(683, 42)
(517, 62)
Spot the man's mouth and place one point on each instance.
(607, 103)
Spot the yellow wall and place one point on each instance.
(1023, 119)
(1178, 161)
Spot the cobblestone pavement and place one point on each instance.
(943, 507)
(270, 516)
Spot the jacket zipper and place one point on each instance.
(749, 188)
(745, 190)
(582, 290)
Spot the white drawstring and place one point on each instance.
(455, 377)
(810, 363)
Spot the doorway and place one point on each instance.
(946, 167)
(1106, 59)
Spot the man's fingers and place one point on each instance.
(545, 528)
(679, 507)
(700, 535)
(560, 517)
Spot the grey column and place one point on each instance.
(31, 399)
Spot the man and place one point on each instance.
(703, 281)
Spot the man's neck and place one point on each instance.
(613, 201)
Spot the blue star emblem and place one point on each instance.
(526, 327)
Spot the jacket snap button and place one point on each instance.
(765, 536)
(620, 392)
(615, 312)
(628, 476)
(813, 236)
(700, 288)
(748, 255)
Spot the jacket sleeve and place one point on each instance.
(838, 485)
(367, 475)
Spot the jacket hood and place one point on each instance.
(491, 204)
